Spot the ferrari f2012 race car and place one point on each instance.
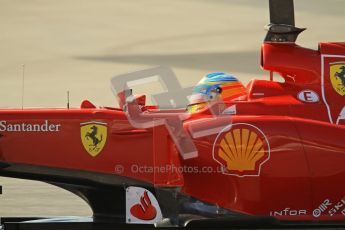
(272, 151)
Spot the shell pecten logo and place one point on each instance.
(241, 150)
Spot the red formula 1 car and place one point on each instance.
(275, 152)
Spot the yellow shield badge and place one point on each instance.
(337, 75)
(93, 136)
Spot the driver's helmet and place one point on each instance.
(213, 87)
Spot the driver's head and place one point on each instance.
(215, 86)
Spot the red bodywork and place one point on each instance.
(300, 175)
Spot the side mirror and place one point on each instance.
(122, 96)
(126, 96)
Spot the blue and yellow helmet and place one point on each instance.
(215, 86)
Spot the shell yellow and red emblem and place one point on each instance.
(93, 136)
(337, 76)
(242, 150)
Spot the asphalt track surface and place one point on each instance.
(79, 45)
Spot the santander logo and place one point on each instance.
(141, 206)
(144, 210)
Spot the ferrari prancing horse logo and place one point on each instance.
(337, 75)
(93, 136)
